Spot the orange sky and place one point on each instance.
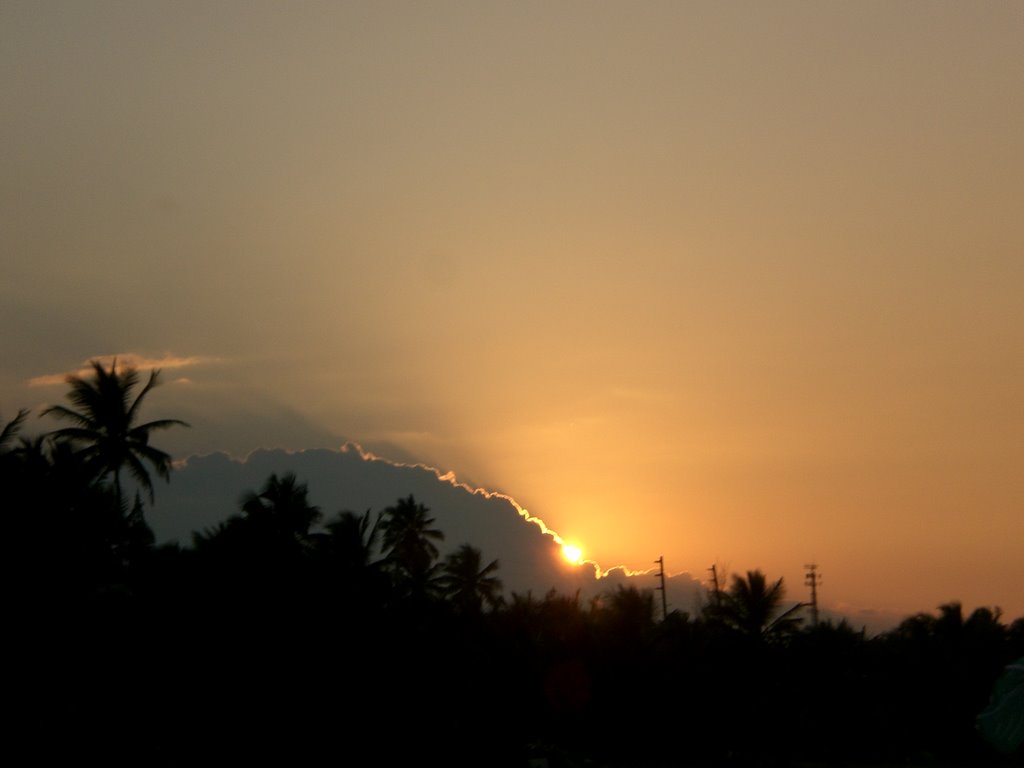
(734, 283)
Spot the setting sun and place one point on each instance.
(573, 554)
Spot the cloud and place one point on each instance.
(206, 489)
(127, 360)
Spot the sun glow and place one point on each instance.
(573, 554)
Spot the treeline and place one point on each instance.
(292, 636)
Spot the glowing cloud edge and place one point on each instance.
(450, 478)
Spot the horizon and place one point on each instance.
(687, 588)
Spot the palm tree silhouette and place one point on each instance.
(468, 583)
(350, 542)
(282, 508)
(408, 540)
(106, 425)
(752, 606)
(348, 552)
(407, 535)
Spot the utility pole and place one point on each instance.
(812, 580)
(714, 581)
(661, 574)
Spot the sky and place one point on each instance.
(729, 283)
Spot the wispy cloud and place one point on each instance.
(125, 359)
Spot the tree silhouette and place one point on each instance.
(752, 606)
(282, 509)
(351, 540)
(106, 425)
(268, 548)
(626, 613)
(348, 559)
(468, 583)
(407, 537)
(71, 533)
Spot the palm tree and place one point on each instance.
(752, 606)
(408, 540)
(263, 560)
(348, 553)
(106, 425)
(627, 611)
(282, 508)
(351, 540)
(407, 536)
(468, 583)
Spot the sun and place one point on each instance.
(571, 553)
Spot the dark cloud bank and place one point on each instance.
(206, 489)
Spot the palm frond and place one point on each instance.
(12, 427)
(63, 412)
(138, 471)
(149, 426)
(160, 460)
(154, 380)
(75, 434)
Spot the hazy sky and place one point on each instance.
(734, 283)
